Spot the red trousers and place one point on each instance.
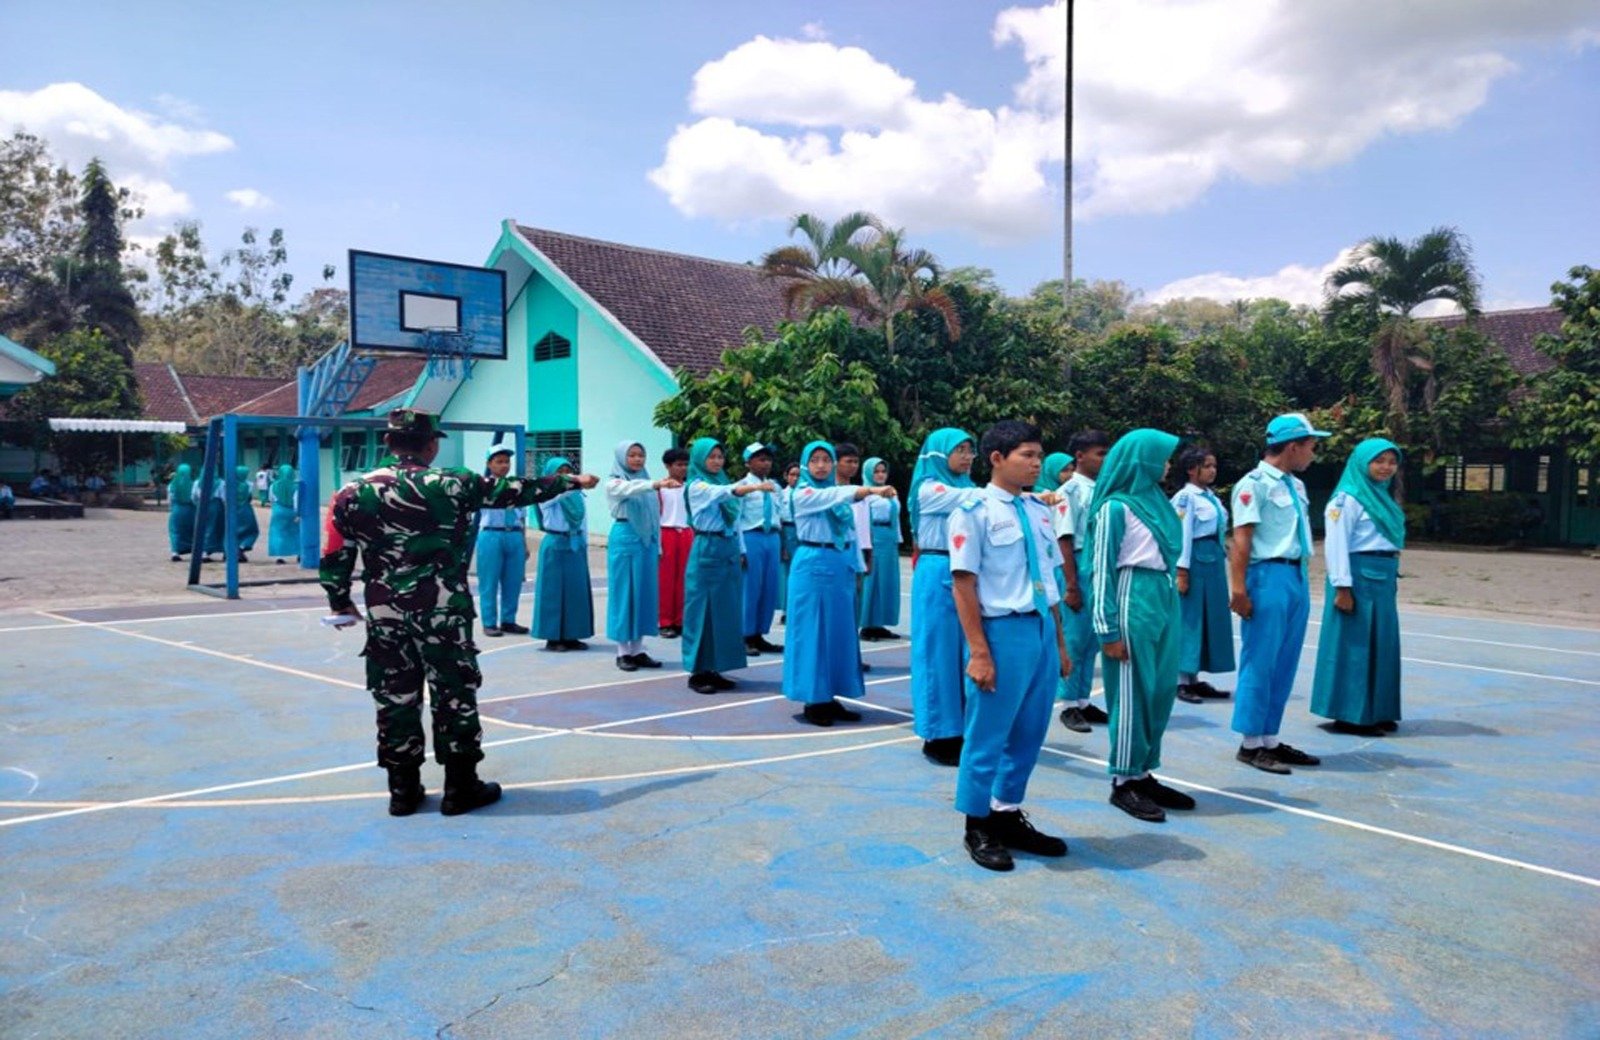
(675, 543)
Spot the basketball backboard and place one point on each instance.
(400, 303)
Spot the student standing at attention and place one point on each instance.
(283, 525)
(1134, 541)
(677, 538)
(502, 555)
(1358, 647)
(632, 555)
(1202, 578)
(941, 484)
(880, 591)
(763, 545)
(180, 521)
(1002, 550)
(790, 540)
(563, 610)
(713, 597)
(1271, 551)
(1071, 523)
(824, 658)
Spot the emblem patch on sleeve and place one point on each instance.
(958, 540)
(1244, 497)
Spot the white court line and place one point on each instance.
(1309, 647)
(1341, 821)
(1491, 642)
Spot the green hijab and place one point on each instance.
(933, 463)
(1050, 472)
(698, 451)
(1376, 497)
(283, 488)
(182, 485)
(1132, 476)
(242, 488)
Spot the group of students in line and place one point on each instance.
(184, 495)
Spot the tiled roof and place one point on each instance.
(686, 309)
(1515, 333)
(173, 397)
(390, 377)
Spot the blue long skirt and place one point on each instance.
(713, 606)
(216, 527)
(1358, 654)
(938, 652)
(246, 526)
(563, 603)
(180, 527)
(283, 532)
(1207, 624)
(791, 543)
(880, 589)
(633, 585)
(822, 656)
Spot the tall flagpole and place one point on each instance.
(1066, 184)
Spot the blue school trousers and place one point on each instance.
(1005, 727)
(762, 550)
(1270, 643)
(502, 565)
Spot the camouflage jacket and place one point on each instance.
(414, 528)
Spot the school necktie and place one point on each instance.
(1299, 520)
(1035, 576)
(766, 512)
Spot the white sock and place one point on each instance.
(1251, 743)
(996, 805)
(1270, 742)
(1081, 704)
(627, 648)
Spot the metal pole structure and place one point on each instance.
(230, 520)
(1066, 181)
(309, 465)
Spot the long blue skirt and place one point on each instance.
(713, 606)
(938, 652)
(283, 532)
(246, 526)
(180, 527)
(1358, 654)
(880, 589)
(216, 527)
(563, 603)
(822, 656)
(791, 543)
(633, 585)
(1207, 624)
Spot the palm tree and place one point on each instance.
(897, 280)
(1395, 278)
(816, 273)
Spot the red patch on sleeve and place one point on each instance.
(1244, 497)
(808, 491)
(959, 540)
(1062, 509)
(939, 488)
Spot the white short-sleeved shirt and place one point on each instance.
(1071, 515)
(673, 513)
(1265, 497)
(986, 539)
(1349, 530)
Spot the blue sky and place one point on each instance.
(1226, 147)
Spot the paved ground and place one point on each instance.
(118, 556)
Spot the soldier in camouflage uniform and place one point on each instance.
(413, 527)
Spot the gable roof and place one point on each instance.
(686, 309)
(173, 397)
(1516, 332)
(390, 377)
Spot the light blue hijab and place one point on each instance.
(841, 519)
(641, 512)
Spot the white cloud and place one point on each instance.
(1172, 96)
(139, 149)
(1296, 283)
(249, 198)
(814, 31)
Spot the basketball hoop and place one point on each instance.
(449, 352)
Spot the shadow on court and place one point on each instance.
(549, 801)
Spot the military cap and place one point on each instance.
(412, 420)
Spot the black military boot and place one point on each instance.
(463, 791)
(405, 790)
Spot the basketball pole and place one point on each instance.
(1066, 182)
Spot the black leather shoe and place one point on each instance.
(722, 682)
(1262, 759)
(1294, 756)
(493, 631)
(627, 664)
(700, 682)
(843, 714)
(1163, 795)
(514, 628)
(1073, 719)
(1389, 727)
(405, 790)
(767, 647)
(1016, 832)
(752, 648)
(818, 714)
(985, 849)
(946, 751)
(1093, 714)
(645, 661)
(1130, 799)
(464, 792)
(575, 644)
(1351, 729)
(555, 646)
(1210, 692)
(668, 632)
(1188, 694)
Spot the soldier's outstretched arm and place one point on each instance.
(507, 492)
(338, 562)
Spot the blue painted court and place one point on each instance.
(195, 844)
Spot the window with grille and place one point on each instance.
(549, 444)
(353, 452)
(1460, 475)
(551, 347)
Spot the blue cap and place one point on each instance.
(1292, 427)
(499, 448)
(752, 450)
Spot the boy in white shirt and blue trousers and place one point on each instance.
(763, 544)
(1271, 553)
(1002, 552)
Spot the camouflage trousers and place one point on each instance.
(402, 651)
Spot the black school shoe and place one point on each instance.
(761, 644)
(1390, 726)
(1189, 693)
(841, 713)
(751, 649)
(1129, 796)
(669, 632)
(1073, 719)
(1016, 832)
(1294, 756)
(721, 682)
(700, 682)
(575, 644)
(1094, 714)
(644, 660)
(985, 848)
(514, 628)
(626, 663)
(1164, 796)
(492, 631)
(946, 751)
(818, 714)
(1205, 689)
(1354, 730)
(1263, 759)
(555, 646)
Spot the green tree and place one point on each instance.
(1564, 405)
(1095, 306)
(816, 273)
(1393, 278)
(38, 212)
(789, 390)
(92, 381)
